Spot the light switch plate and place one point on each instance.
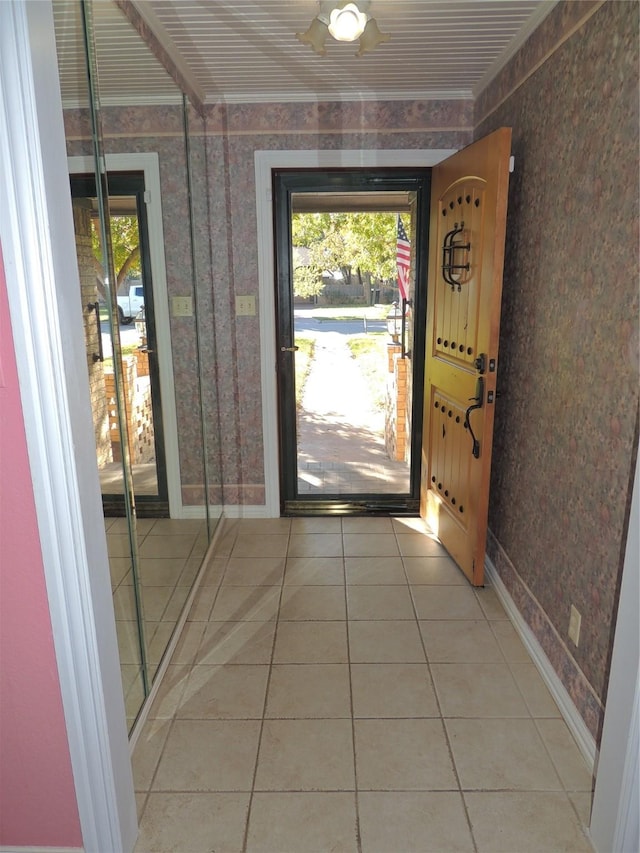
(245, 306)
(182, 306)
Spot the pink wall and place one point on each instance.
(37, 796)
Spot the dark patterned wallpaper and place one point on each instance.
(566, 424)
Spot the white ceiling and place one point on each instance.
(247, 51)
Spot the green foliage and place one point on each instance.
(363, 244)
(304, 357)
(125, 242)
(370, 353)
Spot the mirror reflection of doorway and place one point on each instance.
(350, 339)
(136, 329)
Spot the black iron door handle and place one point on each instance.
(95, 306)
(477, 404)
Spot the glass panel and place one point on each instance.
(351, 379)
(145, 266)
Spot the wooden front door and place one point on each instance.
(467, 234)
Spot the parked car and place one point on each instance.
(131, 303)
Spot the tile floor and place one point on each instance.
(340, 687)
(170, 554)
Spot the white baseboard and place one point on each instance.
(577, 726)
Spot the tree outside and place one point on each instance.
(359, 247)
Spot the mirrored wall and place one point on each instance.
(141, 222)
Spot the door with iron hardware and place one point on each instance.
(467, 230)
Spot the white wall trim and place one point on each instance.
(574, 721)
(149, 164)
(265, 161)
(615, 819)
(36, 231)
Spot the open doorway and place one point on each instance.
(135, 328)
(350, 254)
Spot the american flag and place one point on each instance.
(403, 260)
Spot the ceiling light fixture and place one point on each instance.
(345, 22)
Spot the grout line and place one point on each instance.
(439, 707)
(353, 721)
(245, 836)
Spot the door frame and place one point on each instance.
(265, 162)
(148, 163)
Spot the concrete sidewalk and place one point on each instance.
(341, 447)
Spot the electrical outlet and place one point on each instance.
(245, 306)
(575, 620)
(182, 306)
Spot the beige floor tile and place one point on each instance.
(389, 641)
(565, 755)
(191, 568)
(501, 754)
(477, 690)
(419, 545)
(227, 537)
(304, 823)
(308, 691)
(410, 525)
(306, 755)
(236, 642)
(118, 545)
(157, 646)
(460, 642)
(446, 602)
(490, 603)
(246, 604)
(370, 545)
(170, 692)
(379, 602)
(176, 603)
(154, 601)
(213, 571)
(165, 546)
(254, 571)
(119, 568)
(187, 645)
(197, 823)
(367, 525)
(535, 822)
(316, 525)
(175, 526)
(536, 693)
(582, 802)
(161, 571)
(228, 692)
(408, 755)
(434, 570)
(247, 545)
(124, 603)
(375, 570)
(202, 604)
(392, 690)
(512, 646)
(146, 754)
(311, 642)
(314, 571)
(413, 822)
(312, 603)
(315, 545)
(263, 526)
(209, 755)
